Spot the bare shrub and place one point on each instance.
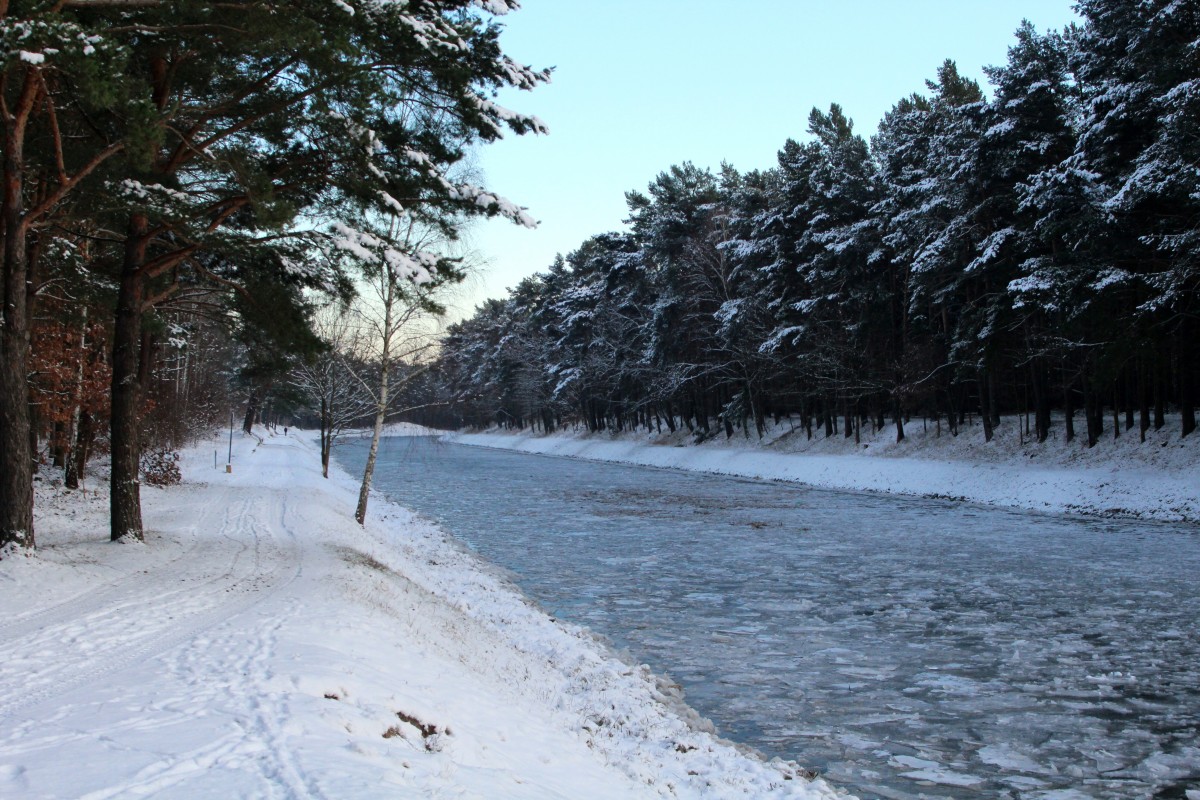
(161, 468)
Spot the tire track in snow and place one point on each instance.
(263, 727)
(242, 655)
(164, 774)
(61, 656)
(272, 724)
(24, 624)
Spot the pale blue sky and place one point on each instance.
(640, 85)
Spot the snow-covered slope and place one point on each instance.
(1155, 479)
(260, 644)
(407, 429)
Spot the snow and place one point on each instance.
(497, 7)
(418, 266)
(508, 115)
(991, 247)
(409, 429)
(1158, 479)
(484, 199)
(391, 202)
(259, 643)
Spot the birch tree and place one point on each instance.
(402, 271)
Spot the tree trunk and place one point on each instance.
(1041, 400)
(381, 404)
(1130, 382)
(31, 442)
(70, 472)
(16, 467)
(326, 436)
(1187, 370)
(77, 463)
(58, 445)
(125, 506)
(993, 406)
(1091, 412)
(1160, 400)
(364, 491)
(1069, 412)
(1116, 411)
(251, 411)
(1143, 391)
(760, 414)
(985, 411)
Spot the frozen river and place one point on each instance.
(904, 648)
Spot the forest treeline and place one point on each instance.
(1034, 251)
(185, 182)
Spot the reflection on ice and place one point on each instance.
(904, 648)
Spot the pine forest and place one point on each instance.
(1030, 252)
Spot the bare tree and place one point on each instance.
(402, 272)
(330, 381)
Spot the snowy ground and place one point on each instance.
(1155, 479)
(260, 644)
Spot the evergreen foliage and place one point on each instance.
(1031, 251)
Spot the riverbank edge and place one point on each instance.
(1155, 480)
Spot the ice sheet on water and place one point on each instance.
(943, 777)
(1009, 759)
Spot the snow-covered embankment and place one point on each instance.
(1156, 479)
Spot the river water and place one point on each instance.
(903, 648)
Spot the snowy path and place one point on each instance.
(195, 629)
(262, 645)
(109, 630)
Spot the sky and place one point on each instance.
(640, 85)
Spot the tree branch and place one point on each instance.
(65, 188)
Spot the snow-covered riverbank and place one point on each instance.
(1155, 479)
(261, 644)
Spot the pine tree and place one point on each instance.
(935, 182)
(43, 50)
(1028, 133)
(1139, 65)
